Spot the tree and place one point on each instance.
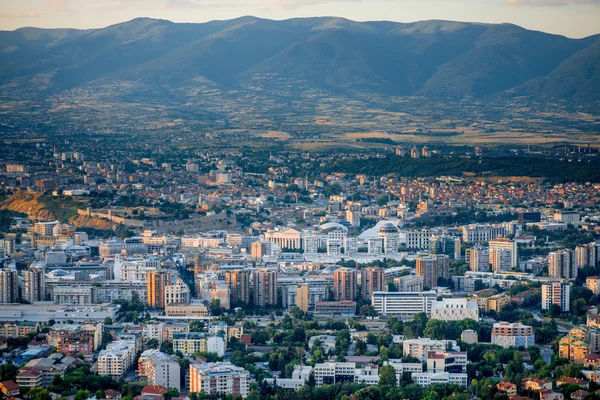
(387, 375)
(99, 394)
(436, 329)
(297, 313)
(368, 310)
(39, 393)
(108, 321)
(82, 395)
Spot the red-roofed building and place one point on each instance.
(536, 384)
(579, 395)
(510, 389)
(517, 397)
(154, 390)
(9, 388)
(592, 360)
(572, 381)
(546, 394)
(112, 394)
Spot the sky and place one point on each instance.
(572, 18)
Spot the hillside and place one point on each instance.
(436, 59)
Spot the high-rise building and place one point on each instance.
(302, 297)
(388, 233)
(353, 217)
(344, 284)
(427, 267)
(9, 286)
(448, 245)
(264, 284)
(34, 285)
(156, 282)
(239, 286)
(371, 280)
(556, 293)
(479, 259)
(501, 260)
(506, 244)
(159, 369)
(593, 283)
(587, 255)
(561, 264)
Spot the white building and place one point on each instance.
(482, 233)
(409, 283)
(116, 360)
(403, 304)
(505, 334)
(401, 367)
(556, 293)
(192, 342)
(454, 310)
(159, 369)
(505, 244)
(562, 264)
(430, 378)
(420, 348)
(219, 378)
(177, 293)
(80, 295)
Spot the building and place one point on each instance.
(239, 286)
(35, 289)
(116, 359)
(505, 244)
(492, 303)
(9, 286)
(371, 280)
(80, 295)
(556, 293)
(334, 372)
(447, 245)
(418, 239)
(573, 348)
(482, 233)
(505, 334)
(454, 310)
(587, 255)
(501, 260)
(302, 297)
(264, 284)
(479, 259)
(336, 307)
(194, 309)
(156, 282)
(561, 264)
(159, 369)
(593, 283)
(469, 336)
(286, 239)
(388, 233)
(427, 267)
(568, 217)
(59, 313)
(344, 284)
(192, 342)
(409, 283)
(219, 378)
(177, 293)
(404, 305)
(420, 348)
(17, 329)
(447, 361)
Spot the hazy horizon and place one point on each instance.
(571, 18)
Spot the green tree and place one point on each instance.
(387, 375)
(39, 393)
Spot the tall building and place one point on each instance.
(177, 293)
(219, 378)
(344, 284)
(448, 245)
(556, 293)
(239, 286)
(9, 286)
(159, 369)
(371, 280)
(587, 255)
(479, 259)
(35, 287)
(561, 264)
(427, 267)
(264, 284)
(388, 233)
(156, 282)
(501, 260)
(593, 283)
(303, 297)
(506, 244)
(353, 217)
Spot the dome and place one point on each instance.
(57, 273)
(332, 226)
(388, 227)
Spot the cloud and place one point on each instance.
(294, 4)
(19, 16)
(552, 2)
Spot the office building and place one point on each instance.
(556, 293)
(505, 334)
(344, 284)
(219, 378)
(482, 233)
(336, 307)
(80, 295)
(264, 284)
(334, 372)
(454, 310)
(177, 293)
(420, 348)
(403, 305)
(371, 280)
(239, 286)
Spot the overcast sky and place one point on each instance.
(573, 18)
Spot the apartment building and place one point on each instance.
(506, 334)
(192, 342)
(558, 293)
(117, 358)
(159, 369)
(420, 348)
(219, 378)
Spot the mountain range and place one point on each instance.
(435, 59)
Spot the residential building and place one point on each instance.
(192, 342)
(117, 358)
(492, 303)
(371, 280)
(561, 264)
(265, 287)
(35, 289)
(587, 255)
(556, 293)
(159, 369)
(427, 267)
(479, 259)
(9, 286)
(420, 348)
(239, 286)
(409, 283)
(219, 378)
(573, 348)
(344, 284)
(447, 361)
(506, 334)
(512, 252)
(593, 283)
(193, 309)
(177, 293)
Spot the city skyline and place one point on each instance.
(572, 18)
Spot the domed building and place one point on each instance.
(389, 235)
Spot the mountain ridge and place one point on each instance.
(438, 59)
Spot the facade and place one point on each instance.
(482, 233)
(335, 307)
(587, 255)
(265, 287)
(239, 286)
(454, 310)
(556, 293)
(561, 264)
(371, 280)
(116, 360)
(159, 369)
(506, 334)
(501, 260)
(505, 244)
(286, 239)
(302, 297)
(427, 267)
(192, 342)
(177, 293)
(479, 259)
(495, 302)
(593, 283)
(344, 284)
(194, 309)
(9, 286)
(404, 305)
(409, 283)
(334, 372)
(430, 378)
(420, 348)
(35, 289)
(80, 295)
(219, 378)
(157, 281)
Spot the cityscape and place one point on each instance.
(298, 209)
